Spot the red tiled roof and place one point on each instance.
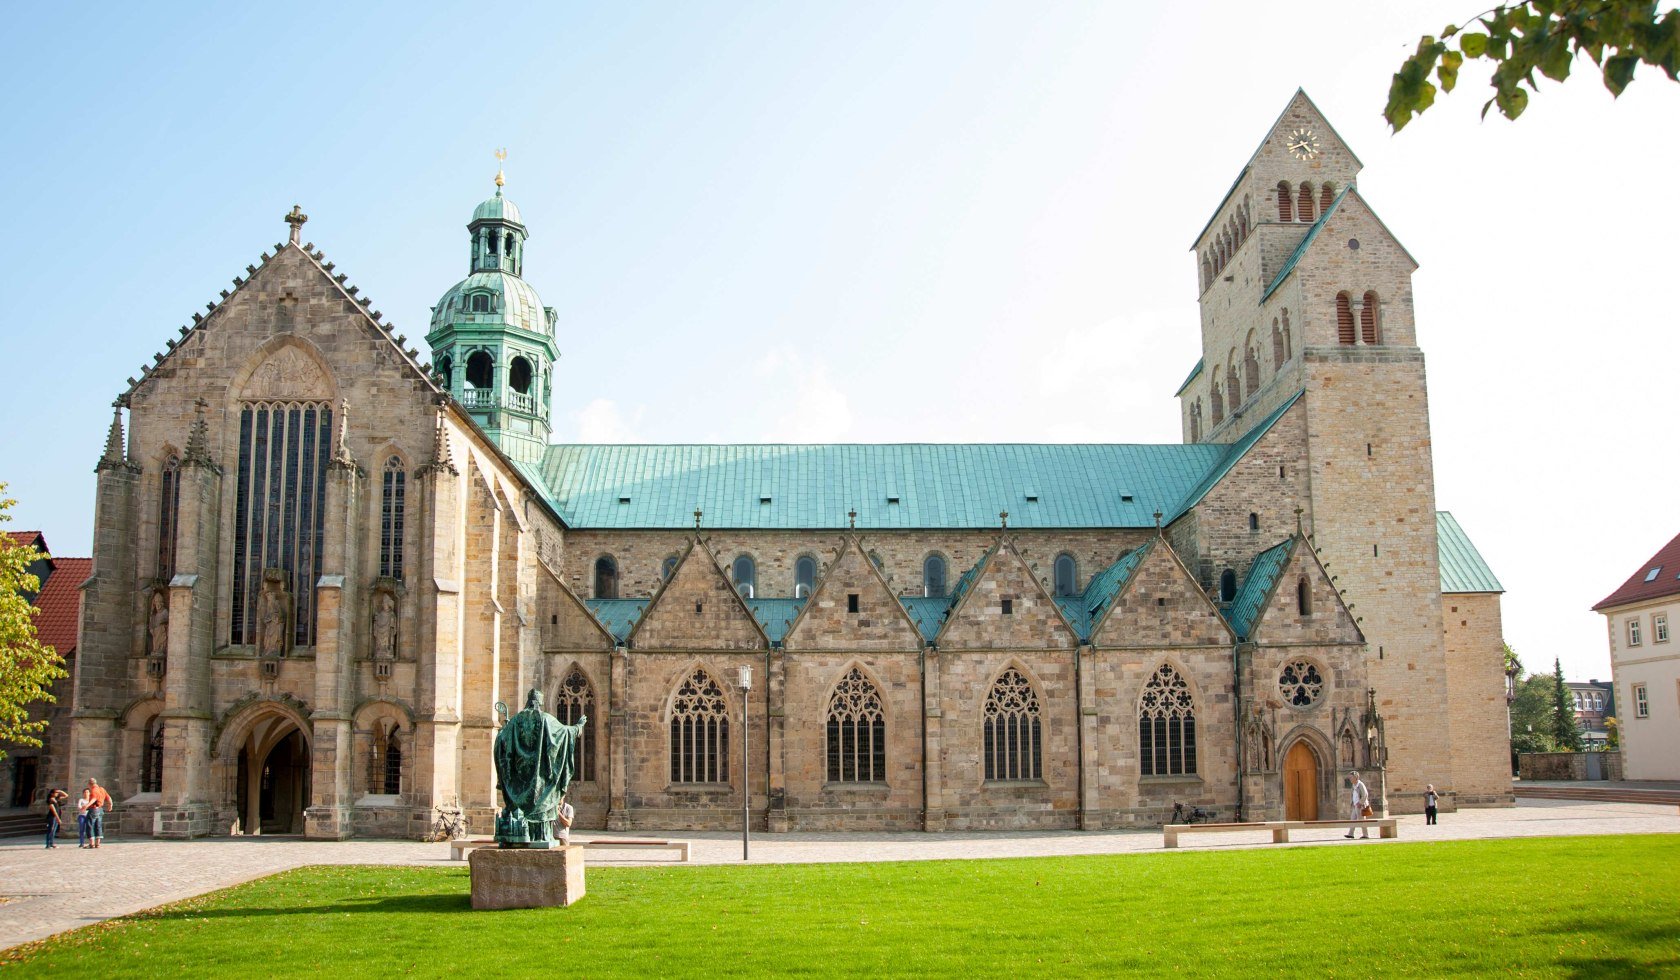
(35, 538)
(60, 604)
(1665, 582)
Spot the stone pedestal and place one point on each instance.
(525, 878)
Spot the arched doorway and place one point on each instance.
(272, 787)
(1300, 783)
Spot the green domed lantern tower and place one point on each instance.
(492, 339)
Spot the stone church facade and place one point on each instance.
(320, 563)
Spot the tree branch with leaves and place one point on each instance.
(1544, 36)
(27, 667)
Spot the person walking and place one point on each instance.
(54, 816)
(1361, 799)
(82, 803)
(1431, 800)
(565, 821)
(99, 802)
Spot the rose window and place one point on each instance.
(1301, 683)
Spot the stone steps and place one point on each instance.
(24, 822)
(1656, 796)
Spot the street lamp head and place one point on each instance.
(746, 677)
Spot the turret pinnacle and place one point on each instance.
(442, 460)
(113, 456)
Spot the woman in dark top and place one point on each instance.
(54, 818)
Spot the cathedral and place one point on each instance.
(321, 563)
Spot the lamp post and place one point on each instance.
(746, 781)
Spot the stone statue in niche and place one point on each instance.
(384, 626)
(274, 620)
(157, 622)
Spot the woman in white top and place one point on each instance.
(1361, 797)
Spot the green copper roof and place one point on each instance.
(1306, 240)
(512, 303)
(1245, 608)
(1193, 372)
(775, 615)
(1462, 567)
(497, 208)
(618, 615)
(927, 612)
(1105, 586)
(891, 486)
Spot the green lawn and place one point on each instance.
(1555, 906)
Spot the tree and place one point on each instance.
(27, 668)
(1538, 35)
(1531, 715)
(1566, 731)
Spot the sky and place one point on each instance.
(858, 222)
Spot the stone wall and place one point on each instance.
(1566, 765)
(1481, 747)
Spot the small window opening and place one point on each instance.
(1009, 607)
(624, 500)
(1367, 449)
(481, 303)
(1280, 473)
(892, 500)
(764, 499)
(1374, 552)
(554, 620)
(1253, 521)
(1651, 576)
(699, 607)
(804, 576)
(1125, 498)
(1227, 585)
(1160, 600)
(852, 602)
(1303, 597)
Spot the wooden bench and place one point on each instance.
(458, 848)
(1387, 827)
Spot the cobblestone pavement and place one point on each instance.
(42, 893)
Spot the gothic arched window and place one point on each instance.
(804, 576)
(391, 508)
(1014, 731)
(1286, 203)
(606, 577)
(575, 700)
(169, 508)
(1344, 319)
(699, 731)
(745, 573)
(857, 731)
(1067, 575)
(391, 772)
(279, 519)
(935, 574)
(1167, 725)
(1368, 311)
(1304, 204)
(151, 759)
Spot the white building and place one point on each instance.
(1645, 664)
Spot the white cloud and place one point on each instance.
(602, 420)
(808, 407)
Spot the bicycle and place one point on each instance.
(1194, 814)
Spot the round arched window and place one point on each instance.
(1300, 683)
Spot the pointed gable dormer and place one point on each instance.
(1000, 604)
(697, 608)
(1289, 599)
(852, 608)
(1155, 603)
(570, 623)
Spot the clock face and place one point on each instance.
(1303, 143)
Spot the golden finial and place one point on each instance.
(501, 155)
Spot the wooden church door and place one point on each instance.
(1300, 783)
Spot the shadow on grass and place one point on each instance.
(400, 904)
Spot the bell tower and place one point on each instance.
(492, 339)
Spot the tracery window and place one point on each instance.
(935, 577)
(804, 576)
(1067, 575)
(745, 573)
(151, 760)
(857, 731)
(1014, 731)
(575, 700)
(699, 731)
(1300, 683)
(392, 774)
(1167, 725)
(169, 509)
(278, 513)
(606, 577)
(392, 498)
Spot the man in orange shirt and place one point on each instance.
(99, 802)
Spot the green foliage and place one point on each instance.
(1566, 731)
(27, 668)
(1513, 663)
(1542, 36)
(1612, 734)
(1531, 715)
(1191, 913)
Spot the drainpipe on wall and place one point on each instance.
(924, 699)
(1237, 710)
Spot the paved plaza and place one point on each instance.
(42, 893)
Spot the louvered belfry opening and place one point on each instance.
(1286, 203)
(1326, 197)
(1368, 319)
(1304, 207)
(1344, 319)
